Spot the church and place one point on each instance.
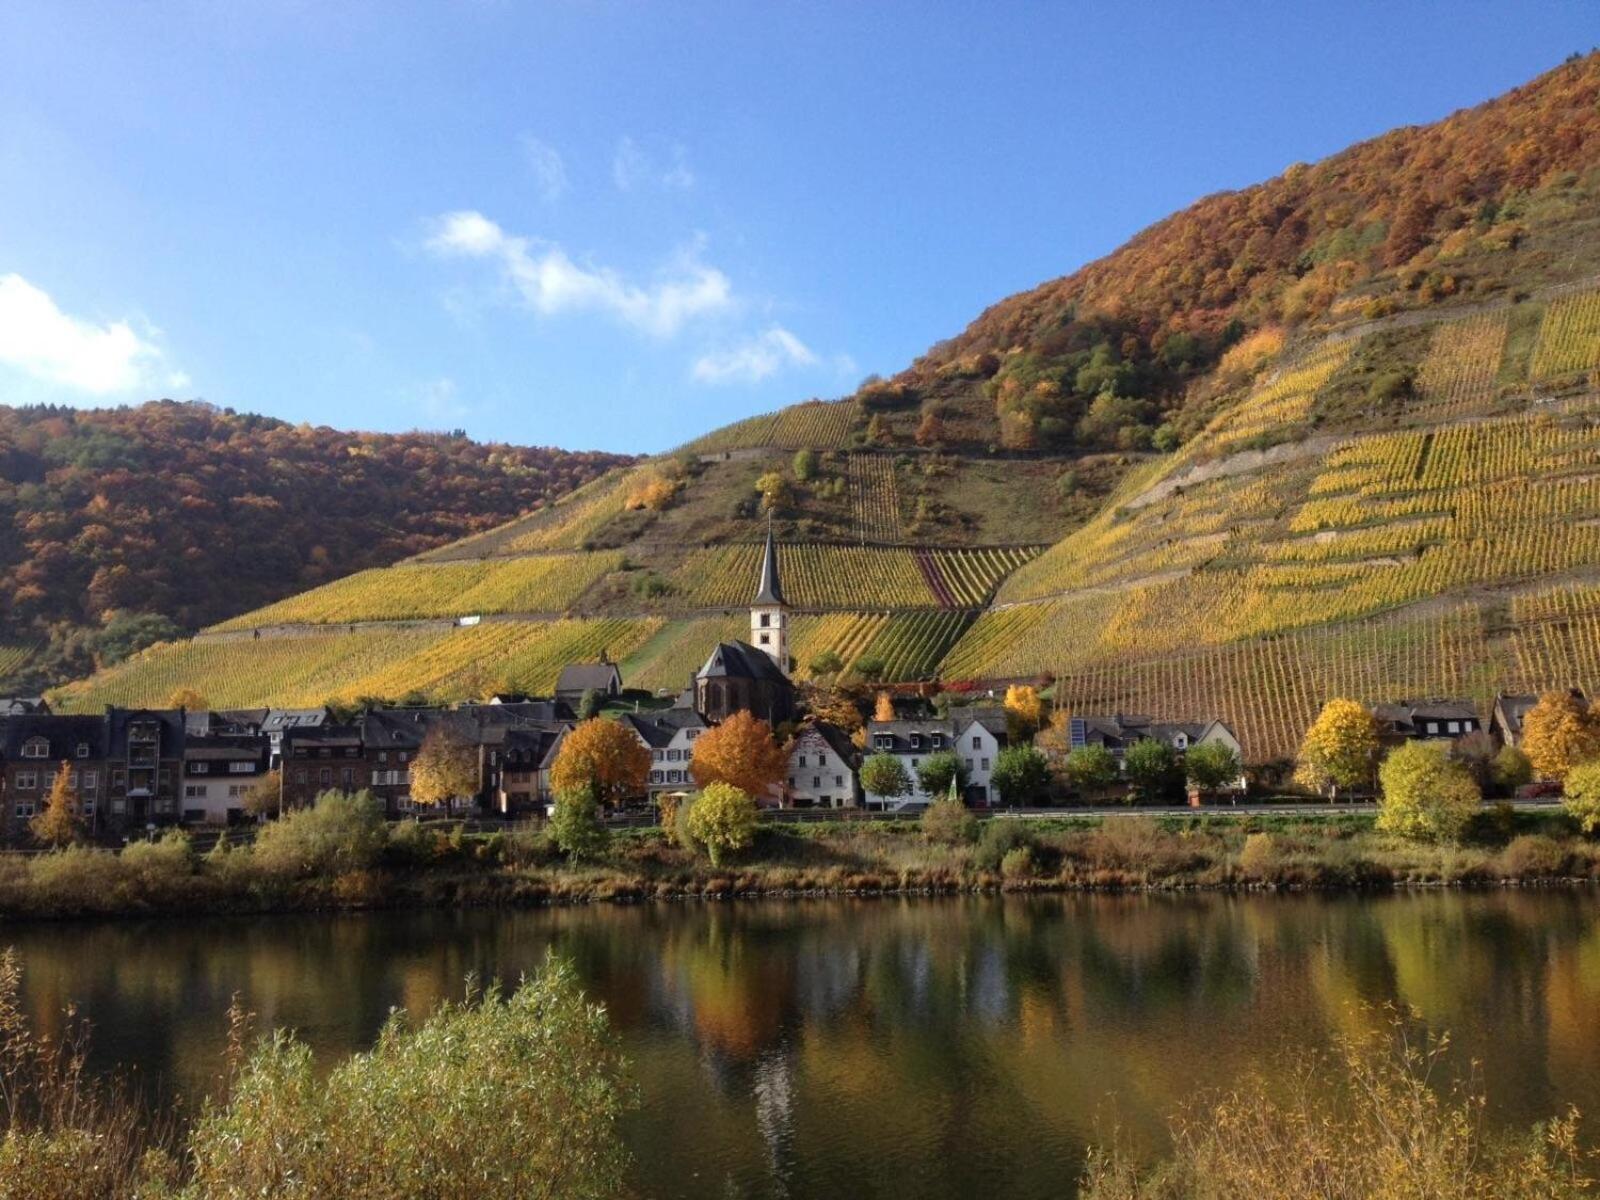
(752, 676)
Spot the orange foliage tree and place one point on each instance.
(741, 751)
(605, 755)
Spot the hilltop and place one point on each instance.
(1335, 433)
(135, 523)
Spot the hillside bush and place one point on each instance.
(341, 831)
(950, 822)
(1018, 864)
(999, 838)
(723, 820)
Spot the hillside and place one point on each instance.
(133, 523)
(1337, 433)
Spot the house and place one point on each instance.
(317, 758)
(32, 748)
(279, 721)
(822, 768)
(523, 782)
(233, 722)
(976, 738)
(1425, 720)
(669, 735)
(22, 706)
(604, 678)
(144, 757)
(220, 770)
(1510, 711)
(1118, 731)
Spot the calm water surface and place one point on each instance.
(930, 1047)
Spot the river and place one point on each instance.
(891, 1047)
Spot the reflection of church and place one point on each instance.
(752, 676)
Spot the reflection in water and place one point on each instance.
(888, 1047)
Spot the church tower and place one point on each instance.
(769, 612)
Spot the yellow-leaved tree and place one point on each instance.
(1559, 733)
(1339, 748)
(189, 699)
(884, 709)
(604, 755)
(1024, 711)
(742, 751)
(722, 818)
(445, 768)
(1427, 794)
(58, 823)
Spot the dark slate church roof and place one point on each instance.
(771, 588)
(741, 660)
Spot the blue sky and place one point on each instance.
(615, 225)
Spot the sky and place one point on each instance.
(617, 225)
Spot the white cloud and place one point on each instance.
(439, 400)
(631, 167)
(550, 283)
(101, 359)
(548, 170)
(754, 360)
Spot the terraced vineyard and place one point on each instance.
(1457, 374)
(849, 577)
(875, 497)
(822, 425)
(677, 650)
(453, 589)
(565, 525)
(1284, 402)
(14, 659)
(1569, 337)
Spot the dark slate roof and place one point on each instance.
(1123, 729)
(397, 728)
(992, 719)
(16, 706)
(741, 660)
(529, 747)
(120, 722)
(231, 720)
(1403, 716)
(66, 734)
(279, 719)
(519, 712)
(770, 589)
(838, 740)
(900, 732)
(323, 735)
(581, 677)
(657, 729)
(1514, 708)
(224, 747)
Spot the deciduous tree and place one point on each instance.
(1212, 765)
(189, 699)
(743, 752)
(576, 826)
(606, 755)
(1020, 774)
(1427, 795)
(445, 768)
(1024, 711)
(1559, 733)
(58, 824)
(883, 710)
(722, 818)
(1152, 768)
(1339, 748)
(1092, 767)
(936, 772)
(885, 776)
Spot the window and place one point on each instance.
(801, 762)
(967, 763)
(241, 768)
(83, 749)
(300, 777)
(325, 776)
(765, 639)
(193, 791)
(1454, 727)
(36, 747)
(199, 768)
(1433, 727)
(977, 742)
(938, 740)
(986, 764)
(27, 780)
(791, 781)
(816, 781)
(838, 781)
(766, 623)
(916, 741)
(25, 809)
(383, 756)
(119, 780)
(118, 806)
(347, 777)
(235, 791)
(655, 776)
(658, 755)
(87, 808)
(90, 780)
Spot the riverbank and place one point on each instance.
(318, 868)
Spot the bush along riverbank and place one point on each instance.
(341, 854)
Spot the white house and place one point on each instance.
(1120, 730)
(219, 772)
(975, 738)
(822, 771)
(670, 735)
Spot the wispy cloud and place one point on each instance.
(632, 167)
(546, 166)
(37, 338)
(550, 283)
(439, 400)
(757, 359)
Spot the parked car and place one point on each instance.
(1544, 789)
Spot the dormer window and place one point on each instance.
(83, 750)
(36, 747)
(938, 740)
(916, 741)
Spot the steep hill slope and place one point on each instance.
(129, 522)
(1338, 433)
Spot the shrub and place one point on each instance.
(1532, 856)
(74, 879)
(160, 868)
(1582, 795)
(1000, 838)
(1259, 856)
(342, 831)
(1018, 863)
(499, 1096)
(722, 819)
(575, 825)
(950, 822)
(409, 844)
(1510, 770)
(1427, 795)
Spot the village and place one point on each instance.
(129, 772)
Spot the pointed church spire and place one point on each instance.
(770, 590)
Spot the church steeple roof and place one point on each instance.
(770, 590)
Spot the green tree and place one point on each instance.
(826, 663)
(885, 776)
(936, 772)
(1152, 768)
(722, 819)
(1021, 775)
(1092, 767)
(575, 824)
(1509, 770)
(1426, 794)
(1582, 794)
(590, 703)
(1212, 765)
(805, 465)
